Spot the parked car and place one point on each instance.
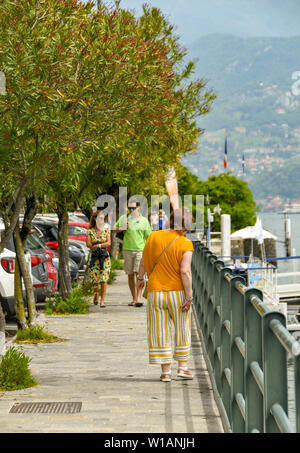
(7, 270)
(78, 216)
(77, 231)
(42, 285)
(39, 244)
(38, 270)
(73, 268)
(53, 261)
(50, 235)
(41, 262)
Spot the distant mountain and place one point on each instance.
(194, 18)
(257, 107)
(233, 64)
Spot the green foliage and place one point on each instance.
(107, 96)
(83, 288)
(14, 371)
(86, 289)
(112, 277)
(76, 303)
(35, 334)
(232, 194)
(117, 265)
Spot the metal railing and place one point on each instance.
(247, 346)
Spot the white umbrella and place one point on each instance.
(251, 232)
(254, 232)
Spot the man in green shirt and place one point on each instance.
(136, 230)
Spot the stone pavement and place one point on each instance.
(104, 365)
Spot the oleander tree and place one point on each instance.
(41, 52)
(94, 99)
(140, 117)
(159, 127)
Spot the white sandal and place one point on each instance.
(185, 373)
(166, 377)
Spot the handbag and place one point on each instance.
(145, 293)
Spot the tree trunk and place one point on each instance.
(114, 246)
(2, 332)
(65, 285)
(31, 210)
(25, 272)
(14, 219)
(19, 302)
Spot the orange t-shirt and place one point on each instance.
(166, 275)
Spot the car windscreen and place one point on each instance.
(31, 244)
(34, 242)
(74, 230)
(49, 232)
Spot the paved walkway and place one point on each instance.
(104, 365)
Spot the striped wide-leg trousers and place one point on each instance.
(164, 308)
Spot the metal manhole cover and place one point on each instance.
(46, 408)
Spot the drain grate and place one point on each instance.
(46, 408)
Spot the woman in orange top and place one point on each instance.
(167, 260)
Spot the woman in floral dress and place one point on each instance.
(98, 236)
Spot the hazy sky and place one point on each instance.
(195, 18)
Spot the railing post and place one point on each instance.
(225, 341)
(211, 309)
(253, 358)
(297, 390)
(275, 371)
(217, 322)
(237, 356)
(207, 255)
(201, 273)
(196, 277)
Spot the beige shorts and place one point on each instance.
(132, 260)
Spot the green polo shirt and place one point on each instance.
(137, 232)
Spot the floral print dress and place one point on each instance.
(97, 275)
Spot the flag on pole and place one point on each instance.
(243, 163)
(225, 154)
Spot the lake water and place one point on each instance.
(274, 223)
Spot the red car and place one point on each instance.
(78, 230)
(52, 272)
